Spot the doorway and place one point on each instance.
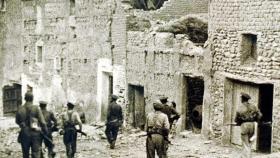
(107, 91)
(11, 99)
(265, 130)
(261, 96)
(194, 100)
(137, 106)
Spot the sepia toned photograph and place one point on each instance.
(140, 78)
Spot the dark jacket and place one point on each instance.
(29, 110)
(169, 111)
(114, 113)
(50, 119)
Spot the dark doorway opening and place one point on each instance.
(107, 92)
(264, 128)
(11, 99)
(137, 106)
(195, 91)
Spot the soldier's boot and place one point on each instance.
(112, 145)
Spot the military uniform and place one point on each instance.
(69, 119)
(51, 126)
(30, 119)
(170, 111)
(157, 128)
(246, 116)
(114, 121)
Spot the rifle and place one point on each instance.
(82, 133)
(45, 137)
(151, 133)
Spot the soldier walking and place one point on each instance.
(157, 128)
(170, 111)
(246, 116)
(32, 124)
(51, 126)
(70, 119)
(114, 121)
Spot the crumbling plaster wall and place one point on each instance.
(158, 62)
(228, 21)
(10, 46)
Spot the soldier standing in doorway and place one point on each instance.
(246, 116)
(157, 128)
(51, 126)
(70, 119)
(114, 121)
(32, 124)
(169, 111)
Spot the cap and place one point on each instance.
(28, 96)
(114, 97)
(70, 105)
(157, 106)
(245, 95)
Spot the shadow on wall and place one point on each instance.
(147, 4)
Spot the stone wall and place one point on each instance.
(229, 22)
(159, 62)
(10, 46)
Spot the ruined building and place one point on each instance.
(244, 37)
(83, 51)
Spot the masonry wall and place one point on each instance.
(228, 21)
(72, 42)
(10, 46)
(159, 62)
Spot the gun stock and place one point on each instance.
(82, 133)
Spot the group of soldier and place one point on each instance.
(158, 126)
(37, 125)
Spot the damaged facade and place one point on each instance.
(83, 51)
(244, 37)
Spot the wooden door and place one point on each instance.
(139, 107)
(11, 98)
(253, 91)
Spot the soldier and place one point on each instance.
(70, 119)
(171, 112)
(51, 126)
(114, 121)
(32, 124)
(246, 116)
(157, 128)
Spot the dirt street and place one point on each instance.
(129, 145)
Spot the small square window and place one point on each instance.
(39, 54)
(248, 49)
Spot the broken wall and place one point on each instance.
(159, 62)
(229, 22)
